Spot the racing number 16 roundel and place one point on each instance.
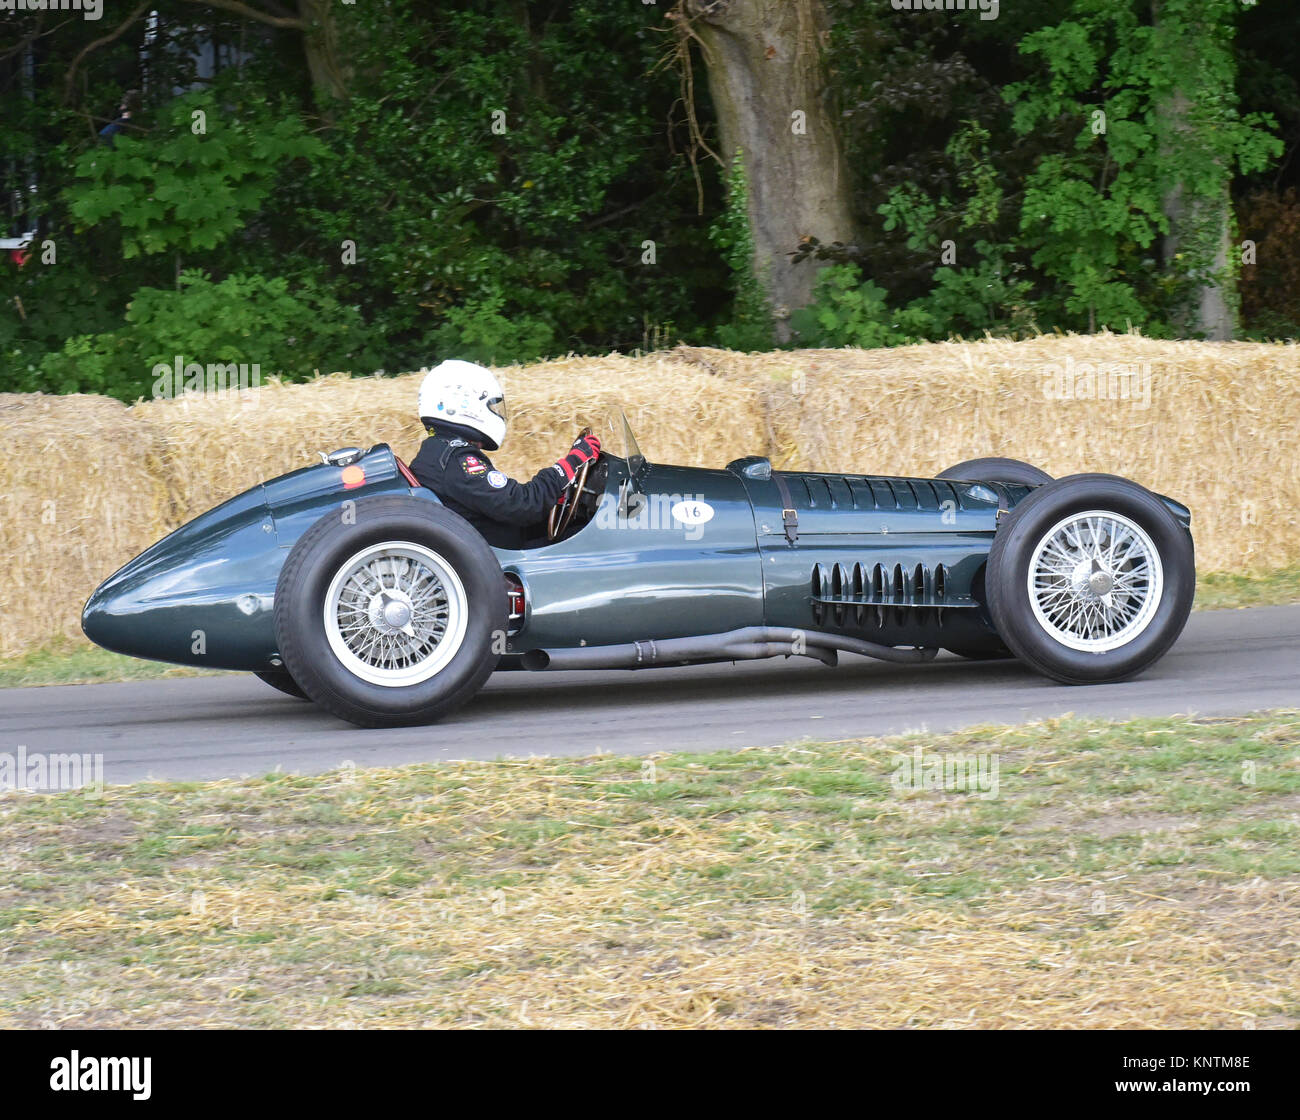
(692, 512)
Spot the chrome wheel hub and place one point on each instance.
(395, 614)
(1095, 581)
(391, 611)
(1099, 583)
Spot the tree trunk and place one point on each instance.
(330, 71)
(1197, 244)
(1200, 219)
(769, 91)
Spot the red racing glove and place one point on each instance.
(585, 450)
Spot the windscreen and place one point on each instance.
(635, 460)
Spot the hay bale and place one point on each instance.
(216, 446)
(1220, 429)
(83, 494)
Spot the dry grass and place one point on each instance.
(1124, 876)
(1222, 434)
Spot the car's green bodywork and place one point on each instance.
(893, 560)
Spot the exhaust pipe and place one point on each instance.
(750, 643)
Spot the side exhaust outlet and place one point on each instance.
(750, 643)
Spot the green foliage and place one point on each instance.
(247, 319)
(1070, 218)
(90, 363)
(507, 244)
(847, 311)
(514, 243)
(193, 181)
(499, 175)
(1147, 108)
(477, 331)
(46, 304)
(750, 325)
(989, 295)
(921, 217)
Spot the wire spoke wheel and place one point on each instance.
(1095, 581)
(390, 618)
(395, 614)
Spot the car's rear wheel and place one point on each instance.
(282, 682)
(1011, 471)
(392, 615)
(1090, 578)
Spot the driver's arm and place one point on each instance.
(502, 498)
(471, 480)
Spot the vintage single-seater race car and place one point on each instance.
(349, 584)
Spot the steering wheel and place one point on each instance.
(566, 505)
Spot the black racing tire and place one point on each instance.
(1011, 471)
(1039, 627)
(397, 537)
(282, 682)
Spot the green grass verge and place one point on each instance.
(76, 663)
(1139, 874)
(79, 663)
(1223, 591)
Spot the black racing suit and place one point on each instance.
(500, 508)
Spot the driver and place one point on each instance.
(462, 406)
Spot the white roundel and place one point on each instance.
(496, 479)
(692, 512)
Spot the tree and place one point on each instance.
(1157, 136)
(775, 112)
(314, 20)
(1194, 94)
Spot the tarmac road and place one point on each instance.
(1226, 663)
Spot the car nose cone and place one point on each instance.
(97, 620)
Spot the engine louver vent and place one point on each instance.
(858, 492)
(858, 594)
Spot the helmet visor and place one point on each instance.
(498, 406)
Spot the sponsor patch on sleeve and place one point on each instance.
(472, 464)
(496, 479)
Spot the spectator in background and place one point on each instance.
(130, 100)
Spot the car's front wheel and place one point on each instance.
(389, 615)
(1090, 578)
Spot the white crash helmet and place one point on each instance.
(465, 399)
